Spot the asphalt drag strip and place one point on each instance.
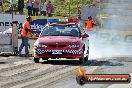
(21, 72)
(115, 65)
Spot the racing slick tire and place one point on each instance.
(86, 58)
(45, 59)
(36, 60)
(16, 53)
(81, 60)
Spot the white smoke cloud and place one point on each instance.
(120, 18)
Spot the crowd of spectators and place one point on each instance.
(34, 7)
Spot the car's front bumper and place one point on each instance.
(70, 54)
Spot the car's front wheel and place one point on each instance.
(36, 60)
(86, 58)
(81, 60)
(45, 59)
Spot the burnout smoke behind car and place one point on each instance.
(118, 18)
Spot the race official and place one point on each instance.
(26, 31)
(89, 23)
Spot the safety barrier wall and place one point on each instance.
(9, 39)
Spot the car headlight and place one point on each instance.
(73, 46)
(40, 45)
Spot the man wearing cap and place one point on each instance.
(26, 31)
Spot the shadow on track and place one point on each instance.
(102, 63)
(62, 62)
(88, 63)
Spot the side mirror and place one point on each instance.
(85, 35)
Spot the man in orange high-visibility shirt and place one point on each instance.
(26, 31)
(89, 23)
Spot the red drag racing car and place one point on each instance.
(62, 40)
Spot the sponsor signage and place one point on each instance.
(83, 77)
(6, 21)
(38, 24)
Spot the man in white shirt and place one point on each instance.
(43, 7)
(13, 5)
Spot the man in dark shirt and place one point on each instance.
(20, 6)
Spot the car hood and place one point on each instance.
(59, 40)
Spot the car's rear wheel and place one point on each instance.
(36, 60)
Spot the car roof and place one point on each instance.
(62, 23)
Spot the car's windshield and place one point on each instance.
(61, 30)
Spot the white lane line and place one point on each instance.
(129, 85)
(22, 62)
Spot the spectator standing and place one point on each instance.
(36, 5)
(43, 7)
(89, 23)
(50, 9)
(20, 6)
(1, 4)
(13, 5)
(29, 7)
